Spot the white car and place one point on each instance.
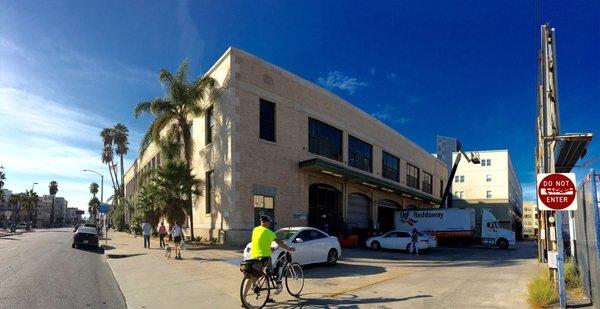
(399, 240)
(312, 246)
(431, 240)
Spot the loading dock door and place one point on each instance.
(358, 211)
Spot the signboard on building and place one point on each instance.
(79, 212)
(556, 191)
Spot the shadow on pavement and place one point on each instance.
(8, 238)
(345, 301)
(340, 270)
(108, 247)
(93, 249)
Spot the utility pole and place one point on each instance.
(548, 132)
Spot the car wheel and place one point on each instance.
(332, 257)
(375, 245)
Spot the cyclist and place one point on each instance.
(262, 237)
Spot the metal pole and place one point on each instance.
(101, 188)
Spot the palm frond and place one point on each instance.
(141, 108)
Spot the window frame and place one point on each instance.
(209, 125)
(428, 176)
(209, 187)
(320, 140)
(270, 122)
(357, 156)
(411, 180)
(386, 169)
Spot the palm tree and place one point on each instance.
(13, 200)
(53, 189)
(94, 188)
(108, 154)
(120, 139)
(172, 114)
(2, 179)
(29, 204)
(93, 205)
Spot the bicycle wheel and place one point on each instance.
(254, 292)
(294, 279)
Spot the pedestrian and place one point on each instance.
(177, 235)
(147, 231)
(162, 231)
(414, 237)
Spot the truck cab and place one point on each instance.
(492, 234)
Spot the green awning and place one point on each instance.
(338, 170)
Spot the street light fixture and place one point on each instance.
(101, 184)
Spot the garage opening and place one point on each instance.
(386, 211)
(325, 208)
(360, 219)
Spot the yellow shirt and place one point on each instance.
(261, 242)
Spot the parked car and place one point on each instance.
(312, 246)
(398, 240)
(21, 226)
(86, 236)
(431, 240)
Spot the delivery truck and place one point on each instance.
(457, 226)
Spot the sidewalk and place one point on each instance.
(210, 277)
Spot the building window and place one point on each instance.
(441, 188)
(390, 166)
(488, 194)
(427, 182)
(261, 201)
(412, 176)
(210, 191)
(267, 120)
(459, 178)
(462, 194)
(488, 177)
(486, 162)
(360, 154)
(210, 124)
(324, 140)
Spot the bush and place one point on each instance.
(541, 292)
(572, 276)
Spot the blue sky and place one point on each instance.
(457, 68)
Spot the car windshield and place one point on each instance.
(285, 234)
(85, 229)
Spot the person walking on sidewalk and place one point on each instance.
(177, 234)
(162, 231)
(414, 237)
(147, 231)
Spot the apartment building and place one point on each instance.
(273, 143)
(493, 185)
(530, 219)
(44, 209)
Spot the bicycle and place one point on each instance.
(268, 278)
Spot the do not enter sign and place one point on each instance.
(556, 191)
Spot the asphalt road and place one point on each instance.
(41, 270)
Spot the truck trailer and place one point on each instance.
(457, 226)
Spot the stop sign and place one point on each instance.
(556, 191)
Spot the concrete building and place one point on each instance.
(5, 209)
(493, 185)
(445, 147)
(274, 143)
(530, 219)
(44, 208)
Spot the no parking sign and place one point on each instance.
(556, 191)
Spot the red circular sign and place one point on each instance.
(556, 191)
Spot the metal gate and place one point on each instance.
(587, 231)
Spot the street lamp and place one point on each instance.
(33, 185)
(101, 184)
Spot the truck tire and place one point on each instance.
(502, 243)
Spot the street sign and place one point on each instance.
(104, 208)
(79, 212)
(556, 191)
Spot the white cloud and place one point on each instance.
(390, 114)
(529, 191)
(336, 79)
(43, 140)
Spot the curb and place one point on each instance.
(107, 258)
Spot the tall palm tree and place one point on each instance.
(13, 200)
(93, 205)
(108, 154)
(2, 179)
(94, 188)
(53, 189)
(172, 114)
(121, 140)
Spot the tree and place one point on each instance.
(53, 189)
(172, 114)
(121, 140)
(2, 179)
(94, 188)
(93, 205)
(13, 200)
(29, 201)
